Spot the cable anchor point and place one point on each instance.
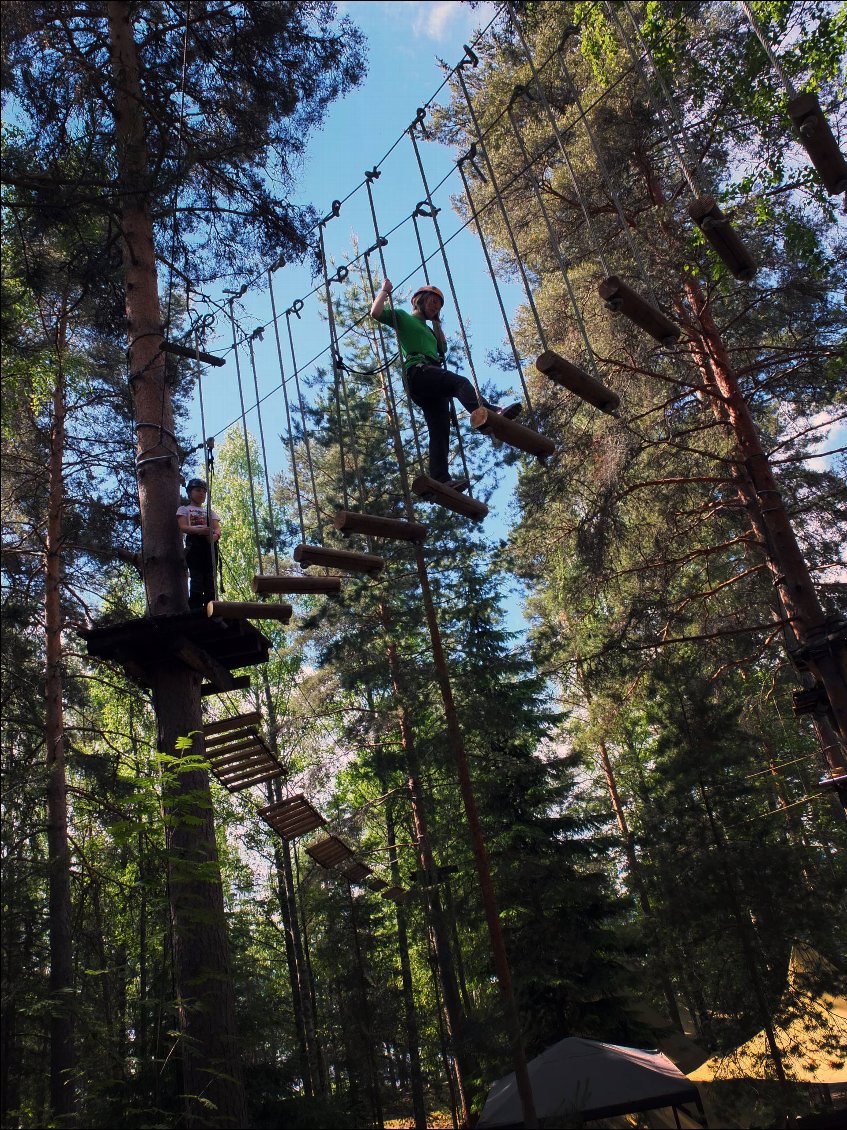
(470, 57)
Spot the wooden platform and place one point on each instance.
(348, 522)
(346, 559)
(249, 610)
(330, 852)
(511, 432)
(292, 817)
(431, 490)
(214, 648)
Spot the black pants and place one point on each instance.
(201, 557)
(432, 388)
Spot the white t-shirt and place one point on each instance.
(196, 515)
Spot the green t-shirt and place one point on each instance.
(418, 342)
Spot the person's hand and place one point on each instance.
(387, 286)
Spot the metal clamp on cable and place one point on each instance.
(521, 91)
(425, 208)
(419, 121)
(341, 274)
(295, 307)
(333, 213)
(470, 157)
(372, 174)
(470, 56)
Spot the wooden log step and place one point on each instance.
(349, 523)
(624, 300)
(346, 559)
(249, 610)
(239, 683)
(511, 432)
(577, 381)
(237, 722)
(819, 142)
(722, 237)
(431, 490)
(299, 584)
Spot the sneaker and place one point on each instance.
(457, 484)
(511, 412)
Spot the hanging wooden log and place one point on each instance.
(237, 722)
(722, 237)
(345, 559)
(249, 610)
(187, 351)
(624, 300)
(348, 522)
(517, 435)
(239, 683)
(577, 381)
(819, 142)
(431, 490)
(288, 585)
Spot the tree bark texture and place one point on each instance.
(211, 1062)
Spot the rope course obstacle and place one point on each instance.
(222, 640)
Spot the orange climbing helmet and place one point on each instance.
(428, 290)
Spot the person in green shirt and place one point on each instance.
(432, 386)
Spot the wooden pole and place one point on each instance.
(211, 1064)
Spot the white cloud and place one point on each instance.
(432, 21)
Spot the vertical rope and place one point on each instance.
(295, 309)
(651, 93)
(378, 246)
(284, 383)
(335, 377)
(246, 439)
(264, 457)
(208, 462)
(790, 89)
(504, 214)
(447, 271)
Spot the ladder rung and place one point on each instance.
(377, 526)
(431, 490)
(347, 559)
(511, 432)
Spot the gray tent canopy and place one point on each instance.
(586, 1079)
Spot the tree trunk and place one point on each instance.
(412, 1037)
(211, 1064)
(62, 1055)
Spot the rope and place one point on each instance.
(208, 462)
(271, 520)
(293, 310)
(246, 443)
(333, 358)
(290, 433)
(790, 89)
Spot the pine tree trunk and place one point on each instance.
(62, 1055)
(412, 1038)
(211, 1063)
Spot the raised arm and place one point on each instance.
(382, 295)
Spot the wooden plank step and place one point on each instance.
(257, 776)
(236, 722)
(214, 741)
(238, 761)
(346, 559)
(216, 752)
(376, 884)
(722, 237)
(577, 381)
(348, 522)
(329, 852)
(511, 432)
(236, 755)
(292, 817)
(819, 142)
(431, 490)
(239, 683)
(249, 610)
(396, 894)
(624, 300)
(357, 872)
(291, 584)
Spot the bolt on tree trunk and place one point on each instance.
(211, 1065)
